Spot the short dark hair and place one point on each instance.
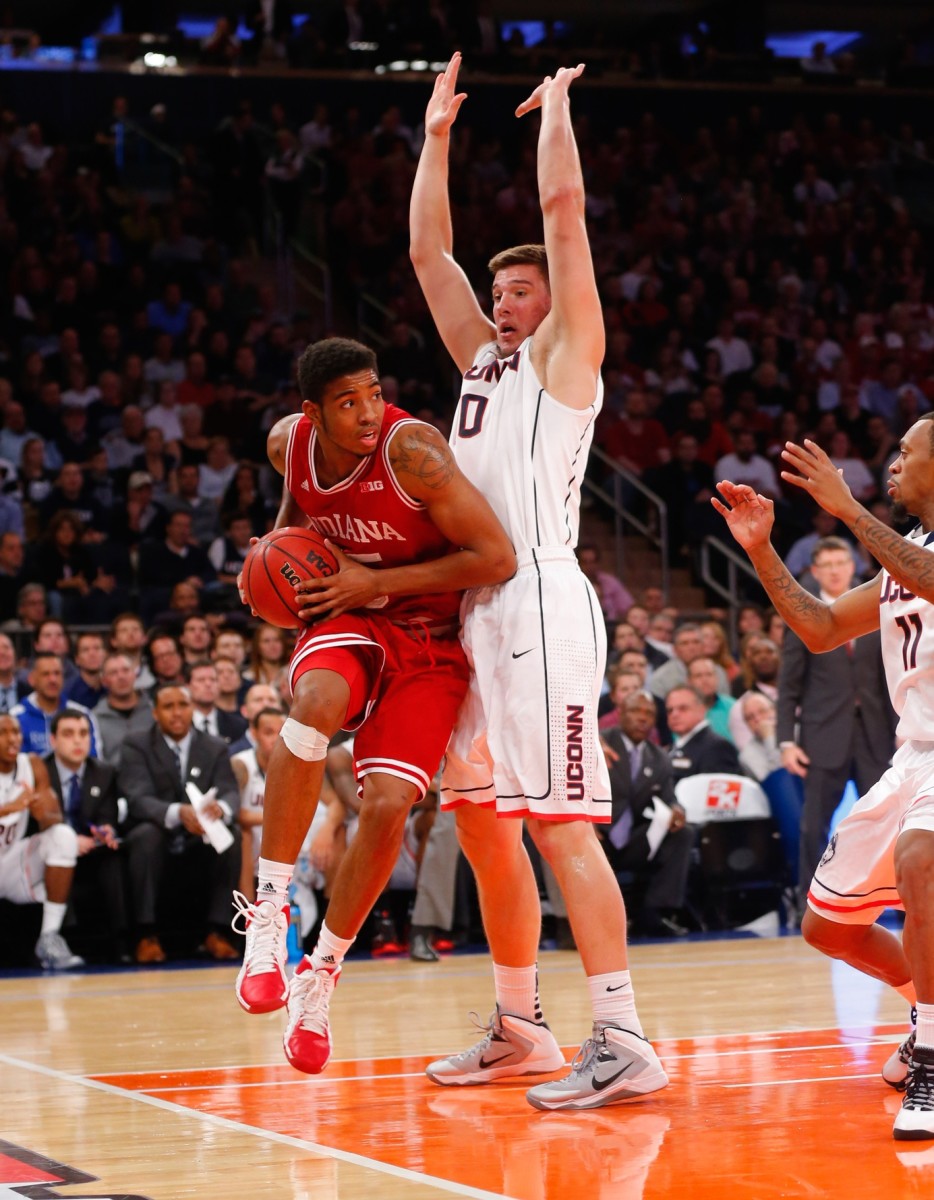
(189, 668)
(329, 359)
(69, 714)
(265, 712)
(519, 256)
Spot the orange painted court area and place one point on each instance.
(801, 1114)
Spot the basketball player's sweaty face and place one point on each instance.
(521, 301)
(11, 741)
(911, 475)
(350, 414)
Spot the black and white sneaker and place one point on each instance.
(914, 1121)
(895, 1067)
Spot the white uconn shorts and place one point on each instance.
(855, 880)
(22, 865)
(526, 734)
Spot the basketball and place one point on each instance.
(275, 567)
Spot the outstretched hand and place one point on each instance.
(818, 476)
(559, 83)
(445, 99)
(749, 515)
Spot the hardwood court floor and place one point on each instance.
(156, 1085)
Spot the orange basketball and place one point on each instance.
(275, 567)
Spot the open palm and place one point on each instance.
(445, 99)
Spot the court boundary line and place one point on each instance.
(882, 1039)
(284, 1139)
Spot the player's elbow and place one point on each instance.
(562, 196)
(500, 563)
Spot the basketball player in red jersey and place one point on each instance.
(382, 657)
(526, 741)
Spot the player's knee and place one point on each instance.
(60, 846)
(914, 869)
(387, 801)
(830, 937)
(304, 741)
(556, 839)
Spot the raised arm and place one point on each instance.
(910, 563)
(451, 299)
(426, 470)
(570, 342)
(820, 626)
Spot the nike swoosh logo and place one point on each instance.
(600, 1084)
(523, 653)
(618, 988)
(491, 1062)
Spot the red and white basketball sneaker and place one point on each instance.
(307, 1039)
(262, 985)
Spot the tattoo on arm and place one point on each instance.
(423, 457)
(793, 603)
(909, 563)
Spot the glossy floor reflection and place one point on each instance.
(157, 1085)
(758, 1116)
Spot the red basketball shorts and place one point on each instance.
(406, 686)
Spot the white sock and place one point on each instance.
(517, 991)
(52, 916)
(329, 950)
(925, 1026)
(273, 879)
(613, 1000)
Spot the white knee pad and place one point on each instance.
(303, 741)
(59, 845)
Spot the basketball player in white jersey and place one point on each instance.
(882, 854)
(37, 866)
(526, 741)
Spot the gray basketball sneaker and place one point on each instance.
(54, 954)
(613, 1065)
(512, 1046)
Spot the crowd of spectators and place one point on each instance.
(759, 283)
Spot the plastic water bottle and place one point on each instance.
(293, 939)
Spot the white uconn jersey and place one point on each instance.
(13, 826)
(252, 793)
(522, 449)
(907, 625)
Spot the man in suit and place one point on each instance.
(695, 748)
(835, 721)
(208, 718)
(155, 768)
(89, 797)
(640, 774)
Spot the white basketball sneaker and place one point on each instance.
(895, 1067)
(613, 1065)
(262, 985)
(914, 1121)
(512, 1046)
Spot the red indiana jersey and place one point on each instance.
(370, 517)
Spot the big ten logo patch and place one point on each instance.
(723, 796)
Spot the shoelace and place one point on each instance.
(585, 1056)
(262, 926)
(920, 1091)
(313, 994)
(905, 1049)
(491, 1028)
